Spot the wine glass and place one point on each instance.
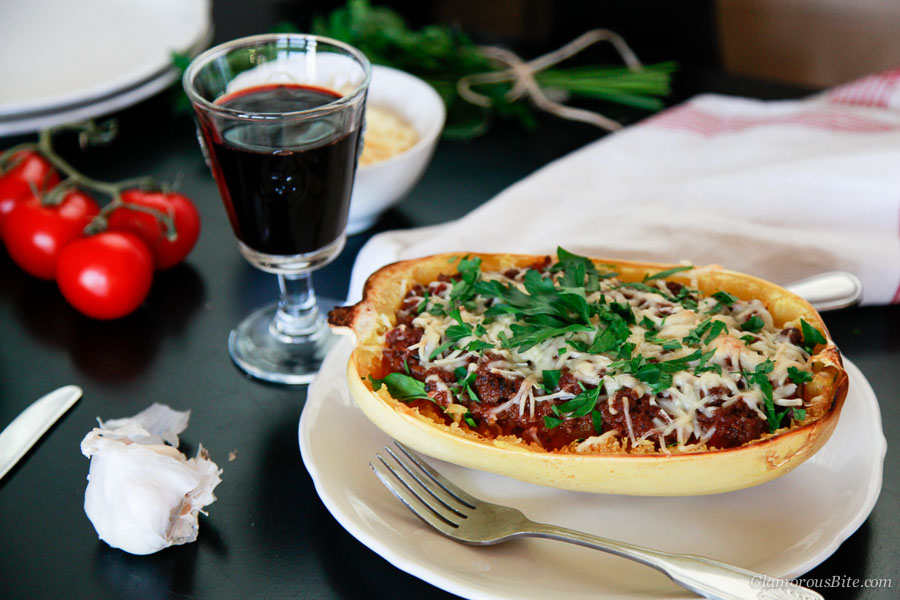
(280, 119)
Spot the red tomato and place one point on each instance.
(30, 168)
(166, 253)
(35, 233)
(105, 276)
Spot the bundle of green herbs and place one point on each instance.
(441, 55)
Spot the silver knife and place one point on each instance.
(20, 435)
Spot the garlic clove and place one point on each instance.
(142, 497)
(162, 423)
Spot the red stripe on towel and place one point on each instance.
(694, 119)
(874, 90)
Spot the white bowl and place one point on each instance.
(380, 185)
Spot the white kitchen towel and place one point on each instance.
(778, 189)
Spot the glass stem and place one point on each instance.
(298, 314)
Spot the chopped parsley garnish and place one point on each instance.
(811, 336)
(696, 334)
(597, 421)
(552, 422)
(753, 324)
(799, 377)
(715, 330)
(551, 380)
(424, 303)
(723, 300)
(464, 380)
(704, 365)
(440, 350)
(580, 405)
(666, 273)
(569, 304)
(478, 346)
(760, 378)
(401, 387)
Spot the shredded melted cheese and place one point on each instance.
(661, 332)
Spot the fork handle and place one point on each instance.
(709, 578)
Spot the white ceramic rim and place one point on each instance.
(426, 138)
(136, 85)
(199, 101)
(32, 122)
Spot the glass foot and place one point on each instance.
(280, 358)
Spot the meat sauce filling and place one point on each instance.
(537, 405)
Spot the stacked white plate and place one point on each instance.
(67, 61)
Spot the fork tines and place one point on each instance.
(424, 491)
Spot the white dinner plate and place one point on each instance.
(77, 56)
(782, 528)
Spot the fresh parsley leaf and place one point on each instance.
(463, 289)
(748, 339)
(759, 377)
(753, 324)
(680, 364)
(666, 343)
(610, 338)
(724, 298)
(648, 324)
(401, 387)
(527, 336)
(454, 333)
(643, 287)
(666, 273)
(582, 404)
(439, 350)
(799, 377)
(551, 380)
(597, 421)
(811, 336)
(552, 422)
(465, 381)
(702, 366)
(715, 330)
(799, 414)
(625, 351)
(478, 346)
(696, 334)
(654, 376)
(623, 310)
(424, 303)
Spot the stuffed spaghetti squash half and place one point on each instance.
(592, 374)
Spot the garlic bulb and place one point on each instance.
(142, 494)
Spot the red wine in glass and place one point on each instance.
(280, 118)
(293, 200)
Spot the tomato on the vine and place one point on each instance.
(29, 169)
(35, 233)
(166, 253)
(105, 276)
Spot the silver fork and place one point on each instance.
(464, 518)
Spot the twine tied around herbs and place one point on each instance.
(522, 74)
